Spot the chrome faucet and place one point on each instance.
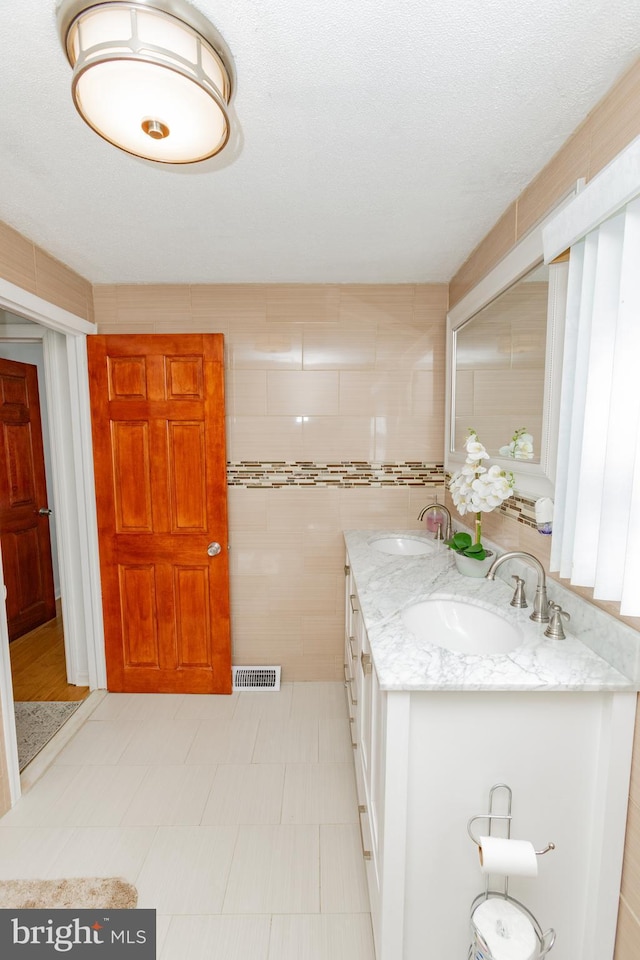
(443, 509)
(540, 604)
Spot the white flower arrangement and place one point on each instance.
(477, 489)
(520, 446)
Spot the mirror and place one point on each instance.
(504, 346)
(499, 370)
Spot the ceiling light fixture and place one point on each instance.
(152, 77)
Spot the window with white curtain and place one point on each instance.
(596, 527)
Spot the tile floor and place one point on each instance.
(235, 817)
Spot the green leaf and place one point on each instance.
(476, 551)
(459, 542)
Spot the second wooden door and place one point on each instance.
(24, 515)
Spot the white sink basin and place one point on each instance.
(461, 627)
(402, 546)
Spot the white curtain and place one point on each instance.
(596, 527)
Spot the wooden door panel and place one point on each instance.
(18, 446)
(184, 378)
(27, 582)
(24, 533)
(131, 456)
(14, 394)
(160, 464)
(127, 378)
(192, 591)
(187, 471)
(21, 550)
(28, 566)
(139, 622)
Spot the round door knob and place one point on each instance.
(45, 512)
(214, 549)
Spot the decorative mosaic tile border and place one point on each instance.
(340, 473)
(266, 474)
(520, 509)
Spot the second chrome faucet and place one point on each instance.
(440, 533)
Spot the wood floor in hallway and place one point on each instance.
(38, 665)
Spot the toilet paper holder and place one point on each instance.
(479, 949)
(507, 817)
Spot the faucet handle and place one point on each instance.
(519, 599)
(556, 628)
(438, 533)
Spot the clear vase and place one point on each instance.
(470, 567)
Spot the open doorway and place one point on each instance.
(62, 338)
(44, 699)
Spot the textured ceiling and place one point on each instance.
(377, 141)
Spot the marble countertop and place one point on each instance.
(387, 584)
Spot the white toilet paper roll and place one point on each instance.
(506, 931)
(509, 858)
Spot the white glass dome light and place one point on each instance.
(151, 76)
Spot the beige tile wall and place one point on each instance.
(613, 124)
(320, 373)
(33, 269)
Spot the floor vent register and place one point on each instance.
(256, 678)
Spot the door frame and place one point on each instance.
(63, 336)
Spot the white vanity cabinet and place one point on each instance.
(367, 712)
(425, 760)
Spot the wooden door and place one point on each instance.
(24, 531)
(157, 407)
